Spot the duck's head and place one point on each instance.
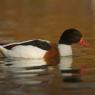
(71, 36)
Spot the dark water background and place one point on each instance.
(47, 19)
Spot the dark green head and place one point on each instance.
(70, 36)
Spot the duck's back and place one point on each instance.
(28, 49)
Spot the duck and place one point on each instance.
(38, 48)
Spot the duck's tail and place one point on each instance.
(3, 50)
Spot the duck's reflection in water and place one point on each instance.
(29, 71)
(37, 71)
(68, 73)
(27, 76)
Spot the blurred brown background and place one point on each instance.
(47, 19)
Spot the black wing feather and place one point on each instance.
(38, 43)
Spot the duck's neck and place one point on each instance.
(65, 50)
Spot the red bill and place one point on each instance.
(83, 42)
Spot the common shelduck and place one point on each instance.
(37, 48)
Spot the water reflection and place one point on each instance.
(68, 73)
(19, 77)
(37, 71)
(28, 71)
